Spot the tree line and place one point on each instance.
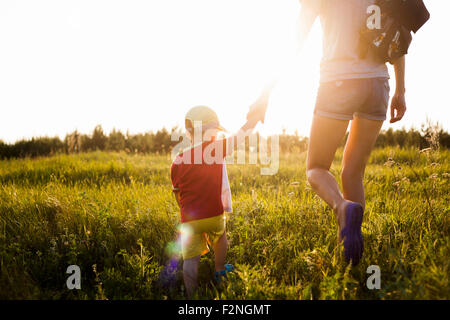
(429, 135)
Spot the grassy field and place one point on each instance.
(114, 215)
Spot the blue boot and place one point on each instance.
(218, 275)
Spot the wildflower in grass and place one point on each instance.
(426, 150)
(389, 163)
(434, 164)
(53, 245)
(434, 176)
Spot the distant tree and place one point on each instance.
(116, 141)
(148, 142)
(3, 149)
(86, 143)
(72, 142)
(161, 141)
(99, 139)
(430, 135)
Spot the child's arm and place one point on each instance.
(249, 125)
(177, 197)
(175, 186)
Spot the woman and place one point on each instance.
(352, 90)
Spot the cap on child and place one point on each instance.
(205, 115)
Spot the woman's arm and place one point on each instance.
(232, 142)
(398, 103)
(307, 16)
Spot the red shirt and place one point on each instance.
(198, 179)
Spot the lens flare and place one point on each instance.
(168, 275)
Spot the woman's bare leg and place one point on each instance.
(325, 137)
(361, 140)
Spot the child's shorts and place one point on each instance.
(197, 234)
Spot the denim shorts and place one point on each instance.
(366, 98)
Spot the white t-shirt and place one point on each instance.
(342, 21)
(226, 191)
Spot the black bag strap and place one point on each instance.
(419, 14)
(412, 14)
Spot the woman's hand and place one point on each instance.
(398, 103)
(257, 110)
(398, 107)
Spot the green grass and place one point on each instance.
(114, 215)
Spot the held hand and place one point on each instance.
(257, 110)
(250, 124)
(398, 107)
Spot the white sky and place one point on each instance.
(140, 65)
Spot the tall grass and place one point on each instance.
(113, 214)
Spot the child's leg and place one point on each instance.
(190, 273)
(220, 252)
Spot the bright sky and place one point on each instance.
(140, 65)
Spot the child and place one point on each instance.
(202, 191)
